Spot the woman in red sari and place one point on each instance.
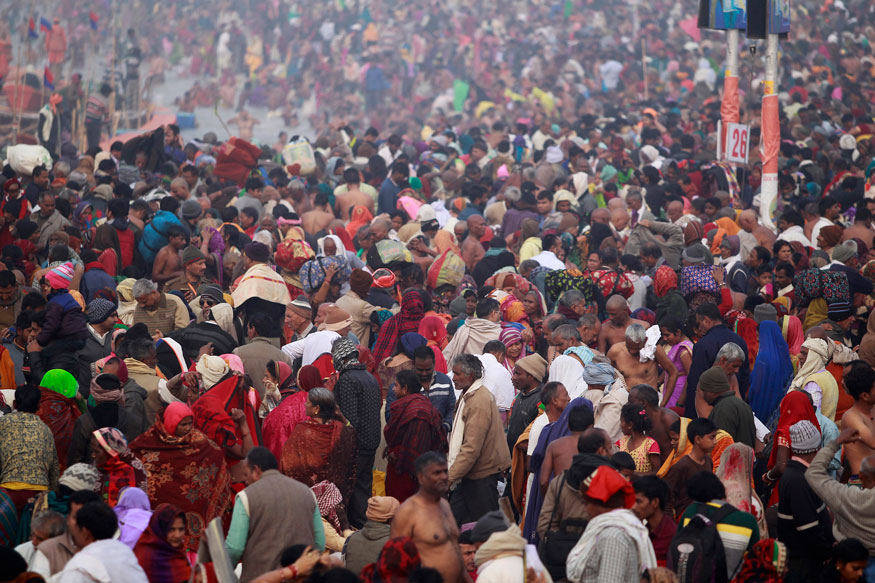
(414, 428)
(58, 409)
(280, 422)
(185, 469)
(795, 406)
(161, 548)
(321, 447)
(118, 466)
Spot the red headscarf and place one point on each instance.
(664, 280)
(173, 414)
(795, 406)
(398, 559)
(309, 377)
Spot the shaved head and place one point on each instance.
(617, 302)
(747, 220)
(600, 215)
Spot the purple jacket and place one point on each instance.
(64, 318)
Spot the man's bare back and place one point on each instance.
(315, 221)
(167, 266)
(472, 252)
(434, 531)
(611, 334)
(857, 451)
(344, 202)
(662, 420)
(558, 458)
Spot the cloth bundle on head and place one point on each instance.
(258, 252)
(99, 310)
(382, 508)
(336, 319)
(191, 254)
(107, 388)
(804, 437)
(384, 278)
(765, 312)
(535, 365)
(838, 311)
(81, 477)
(360, 281)
(61, 382)
(714, 380)
(600, 374)
(212, 370)
(61, 276)
(111, 440)
(173, 414)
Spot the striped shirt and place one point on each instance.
(738, 531)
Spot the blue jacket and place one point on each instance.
(442, 395)
(94, 280)
(704, 353)
(387, 201)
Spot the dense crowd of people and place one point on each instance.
(501, 316)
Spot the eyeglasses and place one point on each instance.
(208, 302)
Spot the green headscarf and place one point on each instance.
(61, 382)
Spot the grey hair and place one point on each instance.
(513, 194)
(61, 168)
(49, 522)
(571, 297)
(469, 364)
(566, 332)
(635, 193)
(142, 287)
(636, 333)
(731, 352)
(588, 320)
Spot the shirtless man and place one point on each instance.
(661, 418)
(626, 357)
(427, 519)
(559, 453)
(472, 249)
(245, 124)
(614, 328)
(859, 382)
(353, 195)
(320, 217)
(168, 263)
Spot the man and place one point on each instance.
(664, 239)
(299, 317)
(168, 262)
(179, 189)
(16, 346)
(478, 450)
(397, 179)
(607, 395)
(729, 412)
(804, 524)
(791, 226)
(336, 325)
(528, 374)
(639, 365)
(437, 386)
(101, 557)
(828, 211)
(194, 264)
(859, 382)
(47, 218)
(102, 315)
(613, 330)
(261, 289)
(730, 357)
(263, 511)
(560, 452)
(352, 194)
(359, 399)
(160, 312)
(615, 545)
(589, 327)
(852, 507)
(660, 417)
(141, 361)
(354, 303)
(472, 248)
(551, 247)
(391, 149)
(39, 184)
(496, 377)
(473, 336)
(28, 459)
(259, 350)
(362, 546)
(651, 499)
(320, 217)
(713, 334)
(44, 525)
(427, 518)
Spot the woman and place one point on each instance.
(281, 421)
(405, 321)
(414, 428)
(772, 371)
(396, 562)
(736, 473)
(161, 549)
(387, 369)
(108, 248)
(766, 562)
(133, 512)
(119, 468)
(669, 300)
(795, 406)
(434, 330)
(516, 349)
(58, 409)
(813, 378)
(783, 252)
(278, 384)
(321, 447)
(848, 563)
(175, 452)
(359, 217)
(512, 283)
(791, 328)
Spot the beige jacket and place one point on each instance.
(482, 446)
(360, 311)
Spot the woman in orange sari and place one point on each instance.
(321, 447)
(359, 216)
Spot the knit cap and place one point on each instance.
(61, 276)
(804, 437)
(99, 310)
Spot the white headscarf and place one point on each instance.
(819, 354)
(340, 250)
(212, 369)
(568, 371)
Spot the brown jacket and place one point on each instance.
(58, 550)
(567, 502)
(484, 446)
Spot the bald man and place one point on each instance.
(472, 249)
(620, 222)
(619, 318)
(600, 215)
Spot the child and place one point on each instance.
(65, 328)
(681, 356)
(763, 275)
(701, 435)
(644, 450)
(624, 464)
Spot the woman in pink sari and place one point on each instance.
(281, 421)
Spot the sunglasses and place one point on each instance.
(208, 302)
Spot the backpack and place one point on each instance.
(696, 552)
(556, 545)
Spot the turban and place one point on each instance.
(382, 508)
(107, 388)
(714, 380)
(535, 365)
(384, 278)
(599, 373)
(212, 370)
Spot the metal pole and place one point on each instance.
(771, 133)
(644, 66)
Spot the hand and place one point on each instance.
(307, 561)
(330, 272)
(188, 295)
(645, 223)
(158, 335)
(33, 346)
(238, 416)
(719, 274)
(205, 349)
(191, 379)
(848, 435)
